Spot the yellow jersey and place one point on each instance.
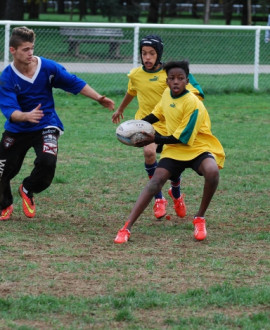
(187, 119)
(148, 87)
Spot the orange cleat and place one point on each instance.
(6, 213)
(200, 232)
(123, 235)
(29, 207)
(160, 207)
(179, 204)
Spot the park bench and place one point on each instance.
(77, 36)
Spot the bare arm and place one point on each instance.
(119, 112)
(33, 116)
(102, 99)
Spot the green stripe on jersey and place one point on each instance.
(187, 132)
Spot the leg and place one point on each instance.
(46, 149)
(175, 190)
(45, 143)
(150, 166)
(209, 169)
(178, 198)
(161, 175)
(150, 159)
(13, 148)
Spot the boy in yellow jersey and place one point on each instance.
(148, 83)
(189, 143)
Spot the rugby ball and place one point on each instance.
(130, 131)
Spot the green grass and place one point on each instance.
(61, 270)
(116, 83)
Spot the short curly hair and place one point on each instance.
(184, 64)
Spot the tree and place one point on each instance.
(173, 8)
(162, 10)
(60, 7)
(207, 11)
(194, 9)
(14, 10)
(249, 12)
(93, 7)
(114, 10)
(132, 11)
(33, 9)
(153, 13)
(246, 14)
(2, 9)
(82, 9)
(228, 11)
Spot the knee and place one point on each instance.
(48, 163)
(212, 176)
(149, 155)
(154, 186)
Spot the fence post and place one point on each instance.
(256, 60)
(6, 52)
(267, 32)
(136, 46)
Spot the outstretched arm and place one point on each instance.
(102, 99)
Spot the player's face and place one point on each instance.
(149, 57)
(177, 81)
(23, 54)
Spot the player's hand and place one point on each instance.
(106, 102)
(149, 138)
(117, 116)
(35, 115)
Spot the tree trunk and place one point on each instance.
(194, 9)
(207, 11)
(14, 10)
(132, 11)
(43, 7)
(82, 9)
(163, 11)
(172, 9)
(33, 9)
(244, 20)
(249, 12)
(2, 9)
(228, 11)
(93, 7)
(60, 7)
(153, 13)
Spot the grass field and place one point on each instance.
(62, 270)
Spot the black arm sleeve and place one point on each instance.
(151, 119)
(160, 139)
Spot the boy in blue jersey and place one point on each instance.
(189, 143)
(26, 100)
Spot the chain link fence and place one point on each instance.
(222, 58)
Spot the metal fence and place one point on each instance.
(222, 58)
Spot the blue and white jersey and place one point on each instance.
(18, 92)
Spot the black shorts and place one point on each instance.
(176, 167)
